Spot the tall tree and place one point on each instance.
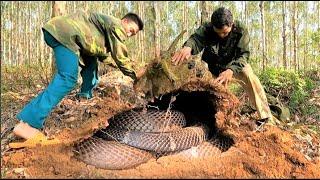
(246, 14)
(58, 9)
(204, 12)
(29, 32)
(305, 52)
(318, 5)
(11, 32)
(294, 30)
(264, 58)
(156, 29)
(284, 36)
(185, 18)
(141, 34)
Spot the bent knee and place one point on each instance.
(70, 80)
(246, 73)
(247, 69)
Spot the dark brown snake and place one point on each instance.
(133, 138)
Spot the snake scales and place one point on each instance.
(134, 137)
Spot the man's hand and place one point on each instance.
(224, 77)
(181, 55)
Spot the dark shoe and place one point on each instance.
(261, 123)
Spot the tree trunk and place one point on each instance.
(246, 14)
(11, 34)
(198, 21)
(185, 24)
(5, 37)
(264, 59)
(318, 22)
(294, 30)
(138, 37)
(25, 33)
(305, 38)
(58, 9)
(19, 34)
(204, 12)
(284, 36)
(142, 34)
(29, 32)
(156, 29)
(38, 35)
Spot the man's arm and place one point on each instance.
(194, 45)
(119, 53)
(242, 54)
(237, 64)
(197, 40)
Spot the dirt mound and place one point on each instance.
(267, 154)
(271, 153)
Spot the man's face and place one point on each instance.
(130, 27)
(224, 31)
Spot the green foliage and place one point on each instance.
(236, 89)
(22, 78)
(292, 88)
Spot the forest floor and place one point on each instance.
(275, 152)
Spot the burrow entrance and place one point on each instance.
(198, 107)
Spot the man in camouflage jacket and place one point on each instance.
(82, 39)
(225, 46)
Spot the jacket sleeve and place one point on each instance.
(119, 53)
(197, 41)
(242, 53)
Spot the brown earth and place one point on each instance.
(270, 153)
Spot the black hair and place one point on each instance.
(221, 17)
(135, 18)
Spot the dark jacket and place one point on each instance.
(231, 52)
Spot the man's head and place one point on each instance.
(132, 24)
(222, 22)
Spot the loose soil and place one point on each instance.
(270, 153)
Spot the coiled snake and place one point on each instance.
(134, 137)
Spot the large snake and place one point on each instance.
(134, 137)
(110, 154)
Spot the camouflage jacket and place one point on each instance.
(93, 34)
(229, 53)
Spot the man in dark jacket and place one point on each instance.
(81, 38)
(225, 45)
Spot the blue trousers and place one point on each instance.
(64, 81)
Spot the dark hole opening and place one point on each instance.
(198, 107)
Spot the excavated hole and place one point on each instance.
(198, 107)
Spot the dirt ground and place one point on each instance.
(270, 153)
(273, 152)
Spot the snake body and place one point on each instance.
(110, 154)
(181, 139)
(150, 121)
(132, 138)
